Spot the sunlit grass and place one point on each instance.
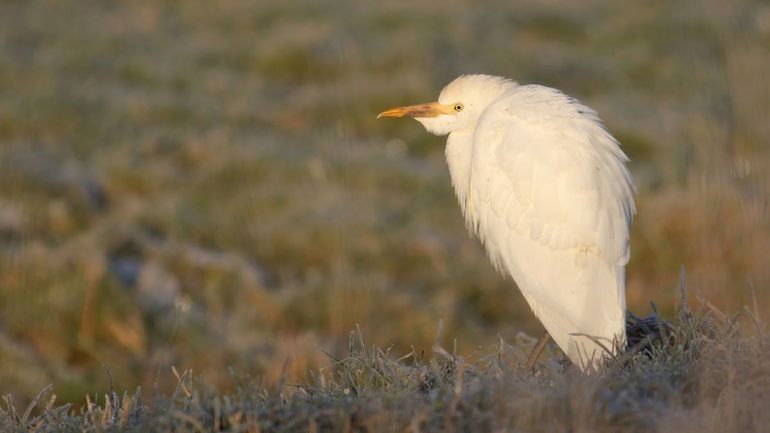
(707, 374)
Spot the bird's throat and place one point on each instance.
(459, 152)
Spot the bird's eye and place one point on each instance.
(458, 107)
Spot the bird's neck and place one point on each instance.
(459, 150)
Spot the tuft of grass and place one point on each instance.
(709, 374)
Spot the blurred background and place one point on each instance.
(204, 184)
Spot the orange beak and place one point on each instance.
(432, 109)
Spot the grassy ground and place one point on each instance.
(204, 184)
(708, 376)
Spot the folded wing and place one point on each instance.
(552, 200)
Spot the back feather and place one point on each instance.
(550, 197)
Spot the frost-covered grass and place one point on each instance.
(707, 374)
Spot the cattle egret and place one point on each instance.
(545, 187)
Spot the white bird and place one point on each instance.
(545, 187)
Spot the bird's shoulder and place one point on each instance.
(538, 105)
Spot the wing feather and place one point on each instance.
(553, 204)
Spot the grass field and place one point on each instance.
(707, 377)
(204, 185)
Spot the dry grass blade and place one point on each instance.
(683, 289)
(4, 414)
(536, 352)
(189, 419)
(11, 409)
(724, 318)
(596, 341)
(33, 404)
(182, 382)
(755, 316)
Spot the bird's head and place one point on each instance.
(459, 105)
